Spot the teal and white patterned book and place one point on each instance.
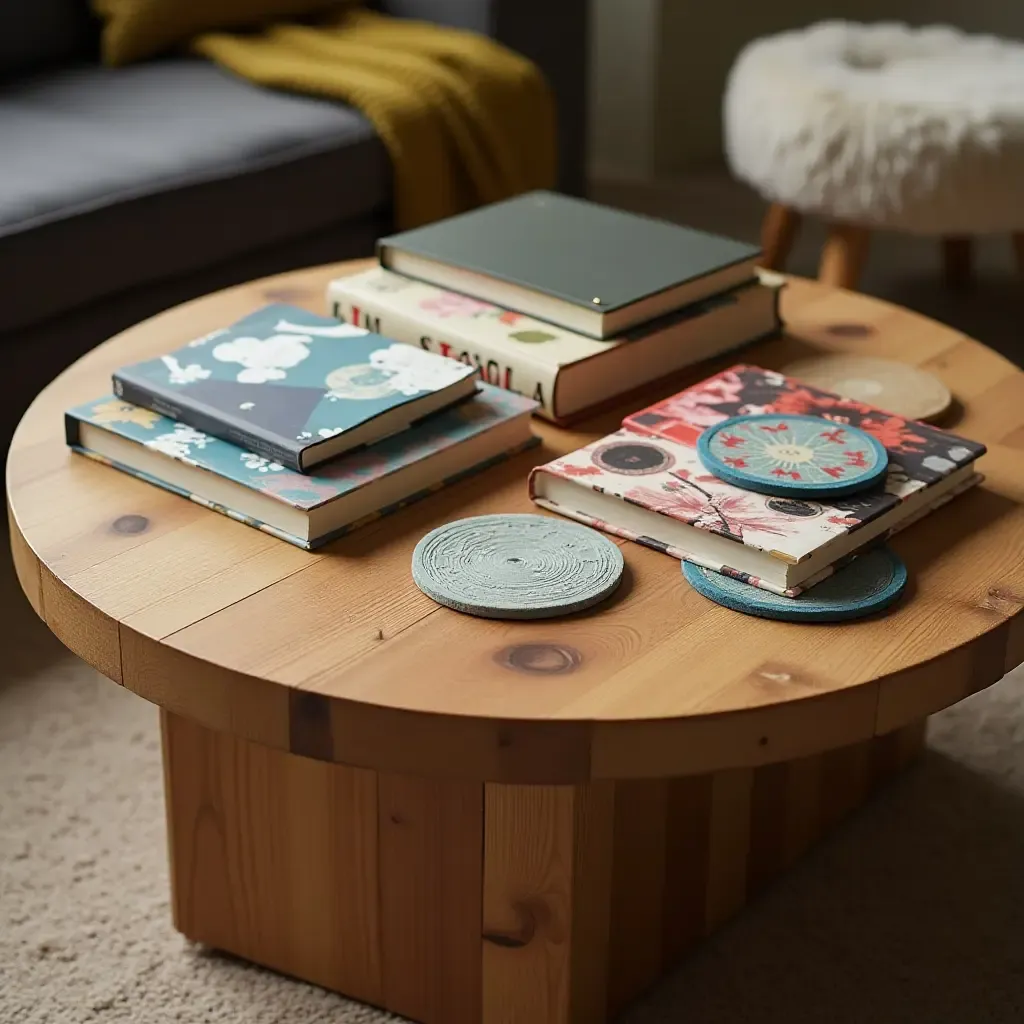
(304, 509)
(295, 387)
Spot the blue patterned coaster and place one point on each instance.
(516, 566)
(792, 456)
(868, 584)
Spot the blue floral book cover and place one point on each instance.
(296, 387)
(491, 410)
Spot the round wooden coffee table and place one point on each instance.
(465, 820)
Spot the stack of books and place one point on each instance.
(300, 425)
(646, 482)
(564, 301)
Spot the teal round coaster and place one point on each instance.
(792, 456)
(516, 566)
(868, 584)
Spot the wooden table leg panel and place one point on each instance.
(274, 857)
(547, 900)
(459, 903)
(26, 566)
(638, 901)
(430, 876)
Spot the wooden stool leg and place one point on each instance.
(842, 259)
(778, 233)
(1018, 249)
(956, 262)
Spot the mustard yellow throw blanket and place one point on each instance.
(465, 120)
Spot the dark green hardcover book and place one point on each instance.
(578, 264)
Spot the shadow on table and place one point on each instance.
(955, 523)
(914, 911)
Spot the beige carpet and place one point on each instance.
(912, 912)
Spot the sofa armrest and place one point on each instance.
(552, 33)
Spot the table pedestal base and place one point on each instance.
(464, 903)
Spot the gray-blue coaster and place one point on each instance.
(516, 566)
(871, 582)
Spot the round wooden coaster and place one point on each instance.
(516, 566)
(789, 455)
(885, 383)
(867, 585)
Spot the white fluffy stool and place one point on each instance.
(880, 126)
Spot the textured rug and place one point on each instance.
(913, 911)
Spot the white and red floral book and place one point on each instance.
(569, 374)
(645, 482)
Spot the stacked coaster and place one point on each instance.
(801, 457)
(867, 585)
(535, 567)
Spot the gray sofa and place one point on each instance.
(124, 191)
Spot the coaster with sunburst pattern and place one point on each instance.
(788, 455)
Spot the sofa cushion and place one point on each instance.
(116, 177)
(137, 29)
(37, 32)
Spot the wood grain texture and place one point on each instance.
(638, 904)
(431, 842)
(139, 577)
(769, 801)
(687, 863)
(26, 567)
(892, 752)
(546, 903)
(846, 777)
(463, 902)
(80, 626)
(590, 929)
(802, 817)
(728, 845)
(274, 857)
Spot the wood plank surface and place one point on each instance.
(348, 625)
(802, 822)
(80, 626)
(590, 928)
(769, 802)
(845, 779)
(687, 863)
(274, 857)
(459, 902)
(546, 904)
(638, 901)
(243, 706)
(26, 566)
(431, 843)
(728, 845)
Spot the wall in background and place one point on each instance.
(658, 68)
(624, 50)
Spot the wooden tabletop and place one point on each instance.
(336, 655)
